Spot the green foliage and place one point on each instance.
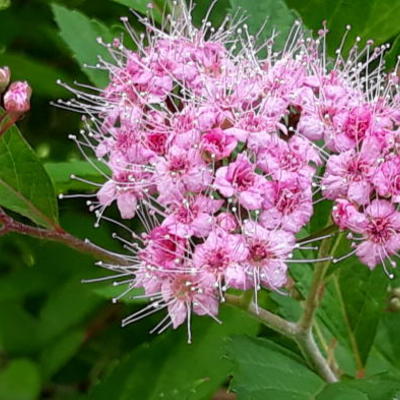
(84, 45)
(42, 77)
(280, 18)
(142, 7)
(290, 379)
(20, 380)
(162, 361)
(24, 184)
(288, 376)
(60, 173)
(373, 19)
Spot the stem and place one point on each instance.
(317, 287)
(273, 321)
(60, 236)
(306, 342)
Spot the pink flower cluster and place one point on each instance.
(219, 153)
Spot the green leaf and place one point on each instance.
(387, 340)
(392, 56)
(142, 7)
(353, 305)
(4, 4)
(108, 291)
(20, 380)
(264, 370)
(373, 19)
(41, 77)
(280, 18)
(80, 33)
(176, 369)
(65, 308)
(15, 322)
(379, 387)
(60, 173)
(25, 186)
(57, 354)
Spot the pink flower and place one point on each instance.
(349, 174)
(287, 205)
(192, 216)
(240, 180)
(181, 171)
(17, 98)
(227, 221)
(5, 76)
(128, 185)
(220, 258)
(288, 160)
(379, 226)
(267, 252)
(164, 250)
(217, 144)
(184, 293)
(386, 178)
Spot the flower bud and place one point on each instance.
(17, 98)
(5, 75)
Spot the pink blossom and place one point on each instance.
(267, 252)
(192, 216)
(379, 226)
(240, 180)
(217, 144)
(350, 174)
(220, 257)
(386, 179)
(184, 293)
(164, 250)
(17, 98)
(5, 76)
(287, 205)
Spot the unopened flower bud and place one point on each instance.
(5, 75)
(17, 98)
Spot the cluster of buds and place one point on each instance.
(14, 97)
(223, 154)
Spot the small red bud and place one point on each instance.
(17, 98)
(5, 75)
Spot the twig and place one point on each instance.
(61, 236)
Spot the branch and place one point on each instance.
(272, 321)
(317, 287)
(60, 236)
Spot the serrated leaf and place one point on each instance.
(379, 387)
(80, 33)
(25, 186)
(164, 363)
(263, 370)
(280, 18)
(60, 173)
(20, 380)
